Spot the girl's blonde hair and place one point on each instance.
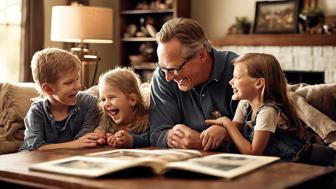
(266, 66)
(128, 82)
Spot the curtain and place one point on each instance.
(32, 38)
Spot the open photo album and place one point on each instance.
(160, 162)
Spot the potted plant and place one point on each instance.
(243, 24)
(312, 17)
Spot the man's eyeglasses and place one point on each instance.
(175, 71)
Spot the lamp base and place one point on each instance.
(89, 65)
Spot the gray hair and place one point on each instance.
(187, 31)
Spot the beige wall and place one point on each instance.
(216, 16)
(48, 4)
(329, 6)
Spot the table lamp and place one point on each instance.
(81, 25)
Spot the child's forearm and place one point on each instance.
(243, 145)
(70, 144)
(82, 142)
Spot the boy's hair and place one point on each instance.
(48, 64)
(187, 31)
(128, 82)
(266, 66)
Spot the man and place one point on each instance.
(191, 84)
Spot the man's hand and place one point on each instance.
(181, 136)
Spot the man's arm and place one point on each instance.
(164, 109)
(88, 140)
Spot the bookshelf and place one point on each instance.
(140, 20)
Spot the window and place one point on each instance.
(10, 39)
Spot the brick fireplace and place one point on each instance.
(308, 64)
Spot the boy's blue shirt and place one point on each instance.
(41, 127)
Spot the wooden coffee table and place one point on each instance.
(14, 173)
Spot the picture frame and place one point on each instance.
(276, 16)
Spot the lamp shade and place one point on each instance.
(81, 24)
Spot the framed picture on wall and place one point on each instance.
(276, 17)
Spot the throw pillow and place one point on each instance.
(15, 100)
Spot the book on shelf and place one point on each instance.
(160, 162)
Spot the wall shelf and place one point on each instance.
(150, 11)
(140, 39)
(277, 40)
(144, 66)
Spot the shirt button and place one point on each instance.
(203, 95)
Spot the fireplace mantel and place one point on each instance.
(295, 52)
(277, 40)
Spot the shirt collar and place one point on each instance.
(46, 107)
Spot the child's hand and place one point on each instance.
(123, 139)
(88, 140)
(212, 137)
(101, 141)
(110, 139)
(101, 138)
(222, 121)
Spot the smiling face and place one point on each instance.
(64, 91)
(188, 71)
(244, 86)
(118, 105)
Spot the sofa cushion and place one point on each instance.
(15, 100)
(321, 97)
(316, 105)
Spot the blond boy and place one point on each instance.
(66, 116)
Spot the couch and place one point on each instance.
(316, 106)
(15, 100)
